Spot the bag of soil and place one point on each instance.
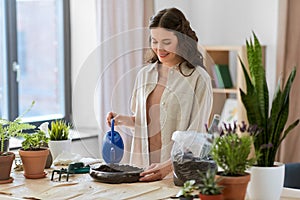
(191, 155)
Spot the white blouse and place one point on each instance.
(185, 105)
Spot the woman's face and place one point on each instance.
(164, 44)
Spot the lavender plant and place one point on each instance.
(232, 148)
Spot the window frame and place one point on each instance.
(12, 56)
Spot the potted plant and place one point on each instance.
(9, 129)
(33, 154)
(210, 189)
(231, 152)
(185, 193)
(272, 121)
(59, 137)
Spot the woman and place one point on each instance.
(173, 92)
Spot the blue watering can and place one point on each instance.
(113, 146)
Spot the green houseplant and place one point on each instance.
(34, 141)
(59, 130)
(272, 120)
(210, 188)
(231, 152)
(10, 129)
(13, 128)
(185, 193)
(34, 155)
(256, 102)
(59, 137)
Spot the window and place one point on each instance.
(2, 61)
(38, 60)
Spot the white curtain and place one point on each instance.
(122, 37)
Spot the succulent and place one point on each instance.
(187, 189)
(209, 185)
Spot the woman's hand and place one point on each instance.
(156, 171)
(109, 117)
(120, 119)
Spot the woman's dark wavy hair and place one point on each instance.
(174, 20)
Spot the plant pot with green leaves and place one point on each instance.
(210, 189)
(231, 151)
(33, 154)
(59, 138)
(186, 191)
(9, 129)
(272, 120)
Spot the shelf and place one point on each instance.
(227, 55)
(225, 90)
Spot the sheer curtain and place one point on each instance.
(288, 57)
(122, 37)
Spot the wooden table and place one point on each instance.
(82, 186)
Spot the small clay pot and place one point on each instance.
(5, 167)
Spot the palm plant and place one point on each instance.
(256, 102)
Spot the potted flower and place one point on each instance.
(9, 129)
(231, 152)
(272, 120)
(210, 189)
(33, 154)
(59, 137)
(185, 193)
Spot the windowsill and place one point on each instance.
(15, 143)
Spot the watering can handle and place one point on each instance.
(112, 130)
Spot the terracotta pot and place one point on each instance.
(211, 197)
(5, 167)
(34, 162)
(235, 187)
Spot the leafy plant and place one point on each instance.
(256, 102)
(59, 130)
(187, 189)
(34, 141)
(209, 185)
(231, 151)
(13, 128)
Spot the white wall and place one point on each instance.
(216, 22)
(84, 61)
(231, 22)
